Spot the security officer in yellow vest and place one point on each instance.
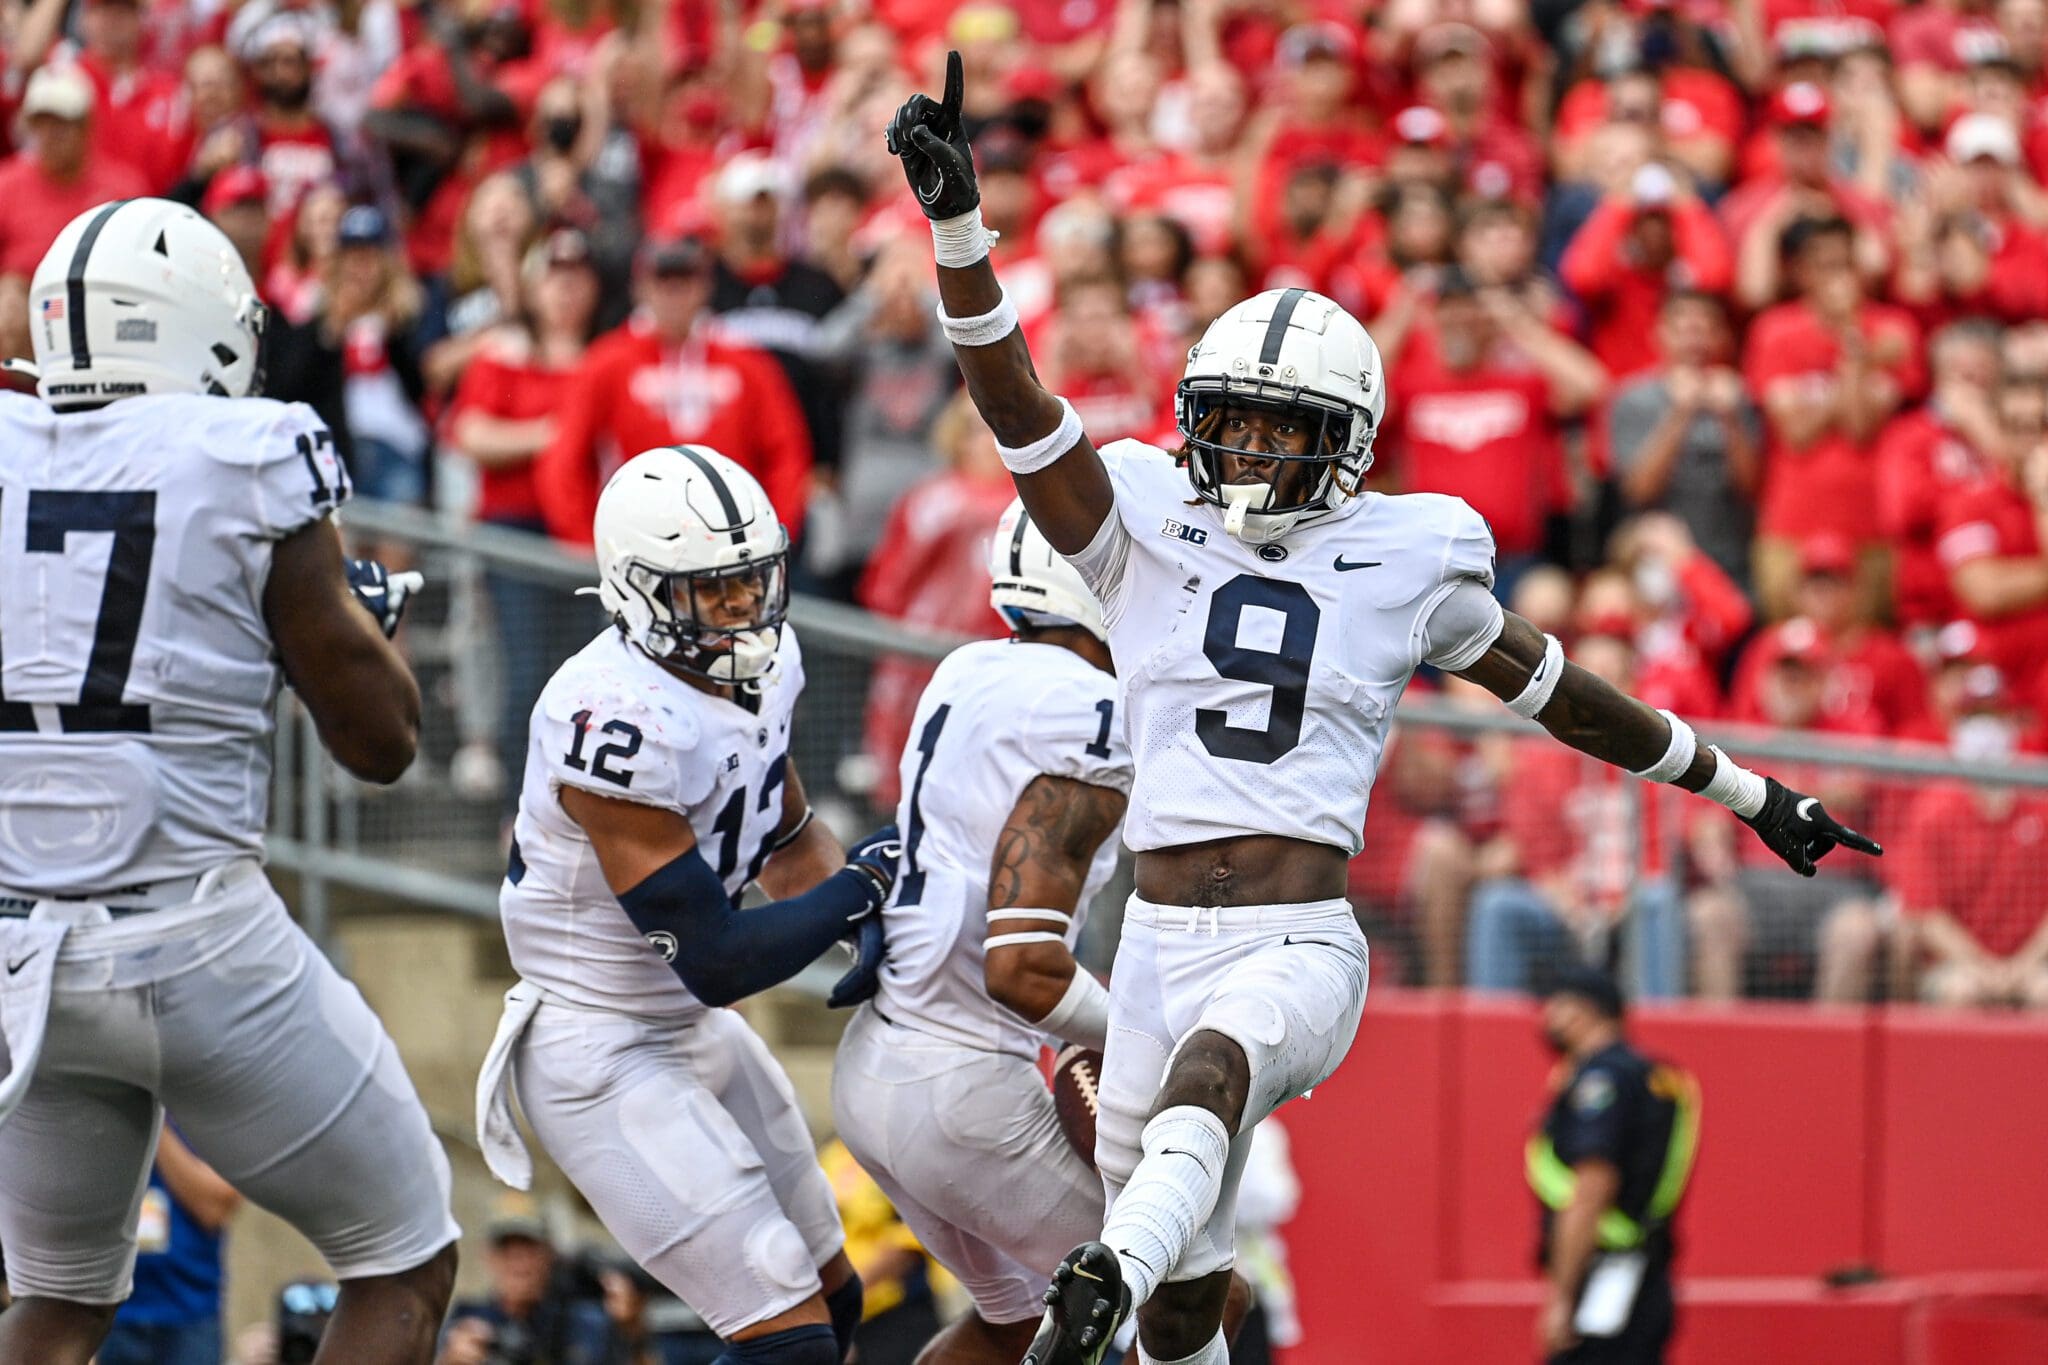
(1609, 1167)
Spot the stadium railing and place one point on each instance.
(436, 839)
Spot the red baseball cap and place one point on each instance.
(235, 185)
(1828, 554)
(1801, 104)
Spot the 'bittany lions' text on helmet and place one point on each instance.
(693, 563)
(1031, 584)
(143, 296)
(1285, 351)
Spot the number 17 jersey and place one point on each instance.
(138, 679)
(1259, 681)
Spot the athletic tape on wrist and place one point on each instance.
(1678, 755)
(1036, 936)
(1734, 786)
(961, 240)
(1529, 703)
(984, 329)
(1029, 459)
(1060, 916)
(1082, 1015)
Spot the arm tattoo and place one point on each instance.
(1041, 859)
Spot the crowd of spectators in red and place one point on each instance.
(1731, 316)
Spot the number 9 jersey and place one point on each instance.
(137, 673)
(615, 723)
(1259, 680)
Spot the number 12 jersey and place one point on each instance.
(1258, 681)
(614, 722)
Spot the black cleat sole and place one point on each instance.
(1085, 1305)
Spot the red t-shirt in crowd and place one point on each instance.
(1874, 684)
(293, 160)
(1485, 435)
(1992, 518)
(1983, 869)
(633, 392)
(139, 119)
(1574, 816)
(503, 382)
(1920, 465)
(1830, 486)
(1623, 294)
(39, 207)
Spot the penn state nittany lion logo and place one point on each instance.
(664, 943)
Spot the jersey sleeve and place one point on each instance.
(1459, 619)
(1103, 563)
(298, 474)
(1076, 730)
(601, 735)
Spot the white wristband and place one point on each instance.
(961, 241)
(1678, 755)
(1029, 459)
(1542, 683)
(1058, 916)
(1734, 786)
(1082, 1015)
(984, 329)
(1036, 936)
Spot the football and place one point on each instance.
(1076, 1076)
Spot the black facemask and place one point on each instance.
(562, 130)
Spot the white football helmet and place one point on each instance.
(1289, 350)
(143, 296)
(680, 530)
(1032, 584)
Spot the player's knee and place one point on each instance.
(1211, 1072)
(812, 1344)
(433, 1280)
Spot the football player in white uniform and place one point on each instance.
(1265, 613)
(168, 553)
(1011, 792)
(658, 786)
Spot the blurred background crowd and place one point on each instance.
(1731, 316)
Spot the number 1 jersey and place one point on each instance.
(137, 673)
(1258, 681)
(615, 723)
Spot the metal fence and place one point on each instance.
(1492, 857)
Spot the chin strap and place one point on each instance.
(26, 368)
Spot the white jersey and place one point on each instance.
(996, 715)
(137, 673)
(1259, 680)
(614, 722)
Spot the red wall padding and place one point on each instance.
(1913, 1141)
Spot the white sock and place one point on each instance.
(1214, 1352)
(1169, 1196)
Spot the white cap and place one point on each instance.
(1979, 135)
(750, 174)
(60, 91)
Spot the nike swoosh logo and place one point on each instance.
(938, 188)
(1176, 1151)
(1085, 1274)
(13, 967)
(1804, 810)
(1343, 567)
